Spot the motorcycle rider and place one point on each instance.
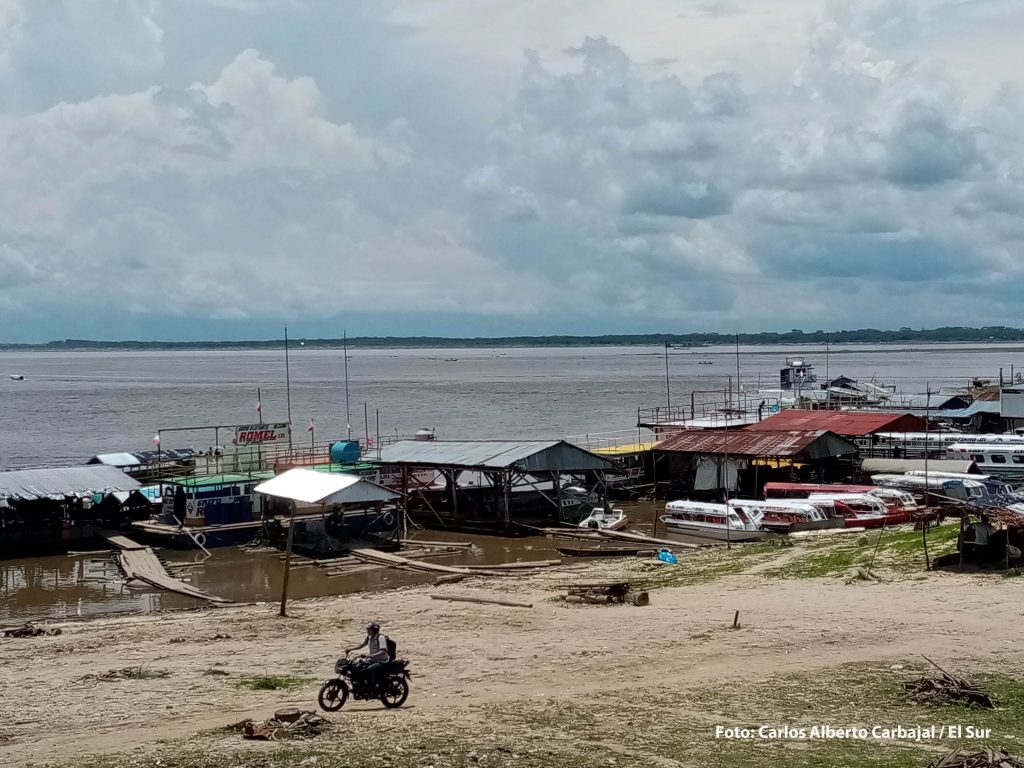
(377, 645)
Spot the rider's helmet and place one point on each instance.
(373, 625)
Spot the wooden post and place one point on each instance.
(287, 561)
(506, 485)
(924, 543)
(736, 620)
(960, 541)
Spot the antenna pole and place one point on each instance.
(288, 394)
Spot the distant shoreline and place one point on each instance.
(688, 340)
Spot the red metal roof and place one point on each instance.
(738, 442)
(848, 423)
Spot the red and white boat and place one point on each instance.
(790, 515)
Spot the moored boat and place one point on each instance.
(713, 521)
(605, 520)
(790, 515)
(603, 551)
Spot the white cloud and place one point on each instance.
(700, 164)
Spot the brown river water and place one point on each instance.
(80, 586)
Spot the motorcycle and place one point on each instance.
(392, 689)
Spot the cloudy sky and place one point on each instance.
(216, 168)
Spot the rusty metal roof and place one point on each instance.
(855, 423)
(810, 444)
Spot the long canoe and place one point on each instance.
(601, 551)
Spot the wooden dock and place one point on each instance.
(138, 561)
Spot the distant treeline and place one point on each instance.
(795, 336)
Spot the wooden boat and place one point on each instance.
(602, 551)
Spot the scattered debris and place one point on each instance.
(285, 724)
(986, 758)
(127, 673)
(182, 639)
(605, 593)
(217, 672)
(30, 630)
(944, 687)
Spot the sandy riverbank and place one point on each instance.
(475, 665)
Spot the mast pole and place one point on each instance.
(288, 394)
(348, 410)
(668, 390)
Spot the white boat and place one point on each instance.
(601, 519)
(713, 521)
(789, 515)
(16, 377)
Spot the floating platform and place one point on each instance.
(138, 561)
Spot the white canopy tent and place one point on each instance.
(307, 486)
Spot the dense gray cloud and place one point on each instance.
(410, 161)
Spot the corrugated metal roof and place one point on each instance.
(311, 487)
(855, 423)
(524, 455)
(62, 482)
(760, 444)
(115, 459)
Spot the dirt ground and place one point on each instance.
(465, 657)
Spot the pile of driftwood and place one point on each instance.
(29, 630)
(605, 593)
(943, 687)
(985, 758)
(285, 724)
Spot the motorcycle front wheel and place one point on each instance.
(333, 695)
(395, 692)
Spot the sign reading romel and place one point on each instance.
(251, 434)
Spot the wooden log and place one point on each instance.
(638, 598)
(454, 578)
(485, 600)
(424, 543)
(591, 599)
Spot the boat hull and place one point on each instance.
(715, 534)
(813, 525)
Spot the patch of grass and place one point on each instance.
(896, 550)
(271, 682)
(1013, 573)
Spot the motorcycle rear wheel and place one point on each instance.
(333, 695)
(395, 692)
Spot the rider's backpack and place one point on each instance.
(392, 647)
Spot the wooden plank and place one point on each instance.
(484, 600)
(424, 543)
(396, 561)
(123, 542)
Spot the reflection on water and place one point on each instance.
(86, 585)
